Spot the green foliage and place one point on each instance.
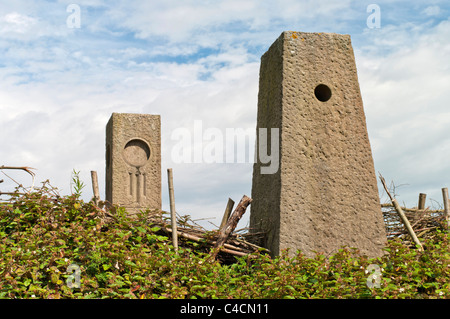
(42, 234)
(77, 184)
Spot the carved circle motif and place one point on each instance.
(136, 152)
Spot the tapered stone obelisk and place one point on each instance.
(324, 194)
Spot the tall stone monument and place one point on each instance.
(324, 194)
(133, 161)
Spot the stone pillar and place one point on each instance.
(133, 161)
(324, 194)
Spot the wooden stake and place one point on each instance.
(227, 213)
(95, 187)
(446, 206)
(231, 224)
(173, 214)
(402, 215)
(422, 199)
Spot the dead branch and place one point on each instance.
(402, 215)
(11, 193)
(231, 224)
(23, 168)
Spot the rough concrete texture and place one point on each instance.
(133, 161)
(324, 195)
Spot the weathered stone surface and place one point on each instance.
(325, 193)
(133, 161)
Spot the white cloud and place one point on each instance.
(15, 22)
(432, 10)
(405, 92)
(210, 24)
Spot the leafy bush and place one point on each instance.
(42, 234)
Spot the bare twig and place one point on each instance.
(11, 193)
(23, 168)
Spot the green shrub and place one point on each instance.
(42, 234)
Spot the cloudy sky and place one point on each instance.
(199, 61)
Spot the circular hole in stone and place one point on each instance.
(136, 152)
(322, 92)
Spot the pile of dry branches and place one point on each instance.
(236, 244)
(424, 222)
(226, 243)
(413, 224)
(222, 244)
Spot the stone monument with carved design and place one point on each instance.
(133, 161)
